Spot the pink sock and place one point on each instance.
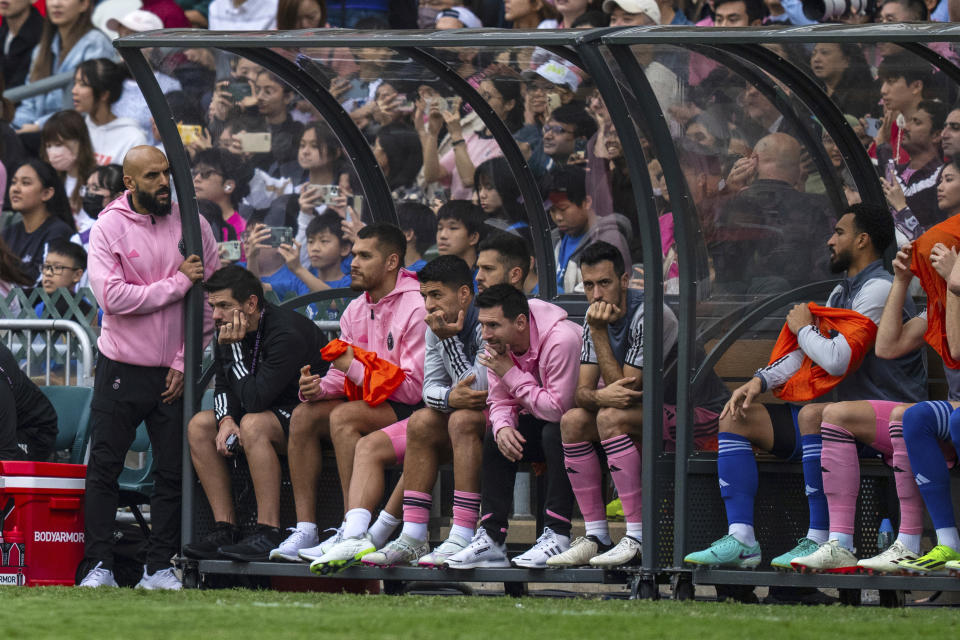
(911, 504)
(583, 469)
(416, 506)
(466, 509)
(841, 476)
(623, 459)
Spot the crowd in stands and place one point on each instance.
(768, 192)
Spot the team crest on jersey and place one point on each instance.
(390, 341)
(182, 247)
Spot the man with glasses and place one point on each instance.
(565, 135)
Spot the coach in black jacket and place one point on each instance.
(258, 355)
(28, 422)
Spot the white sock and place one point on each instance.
(910, 541)
(845, 540)
(818, 535)
(464, 532)
(600, 530)
(743, 532)
(416, 530)
(356, 523)
(948, 536)
(381, 530)
(635, 530)
(307, 527)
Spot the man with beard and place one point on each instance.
(386, 320)
(791, 431)
(140, 277)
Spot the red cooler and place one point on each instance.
(41, 511)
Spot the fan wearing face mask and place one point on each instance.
(103, 186)
(65, 144)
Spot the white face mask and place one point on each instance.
(61, 157)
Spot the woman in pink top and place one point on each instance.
(216, 178)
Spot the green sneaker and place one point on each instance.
(727, 552)
(934, 561)
(615, 510)
(805, 546)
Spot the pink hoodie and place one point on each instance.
(544, 379)
(134, 267)
(394, 329)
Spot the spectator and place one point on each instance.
(19, 33)
(97, 84)
(131, 103)
(904, 83)
(246, 15)
(570, 10)
(632, 13)
(457, 18)
(326, 249)
(11, 275)
(419, 226)
(577, 225)
(593, 19)
(950, 138)
(399, 154)
(846, 77)
(12, 153)
(28, 422)
(738, 13)
(196, 12)
(916, 181)
(459, 229)
(566, 134)
(172, 16)
(68, 39)
(37, 193)
(670, 14)
(219, 177)
(273, 101)
(103, 186)
(498, 194)
(357, 14)
(301, 14)
(531, 14)
(63, 268)
(429, 10)
(65, 144)
(769, 235)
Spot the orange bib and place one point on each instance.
(380, 377)
(811, 381)
(947, 232)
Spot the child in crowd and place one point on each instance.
(63, 268)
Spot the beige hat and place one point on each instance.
(647, 7)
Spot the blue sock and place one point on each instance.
(813, 481)
(924, 425)
(737, 473)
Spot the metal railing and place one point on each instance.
(76, 344)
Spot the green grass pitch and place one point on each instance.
(205, 615)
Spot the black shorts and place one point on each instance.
(283, 415)
(786, 431)
(404, 411)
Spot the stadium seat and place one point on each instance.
(72, 405)
(136, 485)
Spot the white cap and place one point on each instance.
(138, 20)
(556, 73)
(647, 7)
(466, 17)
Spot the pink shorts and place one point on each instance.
(397, 432)
(705, 425)
(881, 411)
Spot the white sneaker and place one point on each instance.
(404, 551)
(549, 544)
(99, 577)
(830, 557)
(481, 552)
(449, 547)
(627, 551)
(296, 541)
(886, 561)
(346, 553)
(579, 553)
(312, 553)
(163, 580)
